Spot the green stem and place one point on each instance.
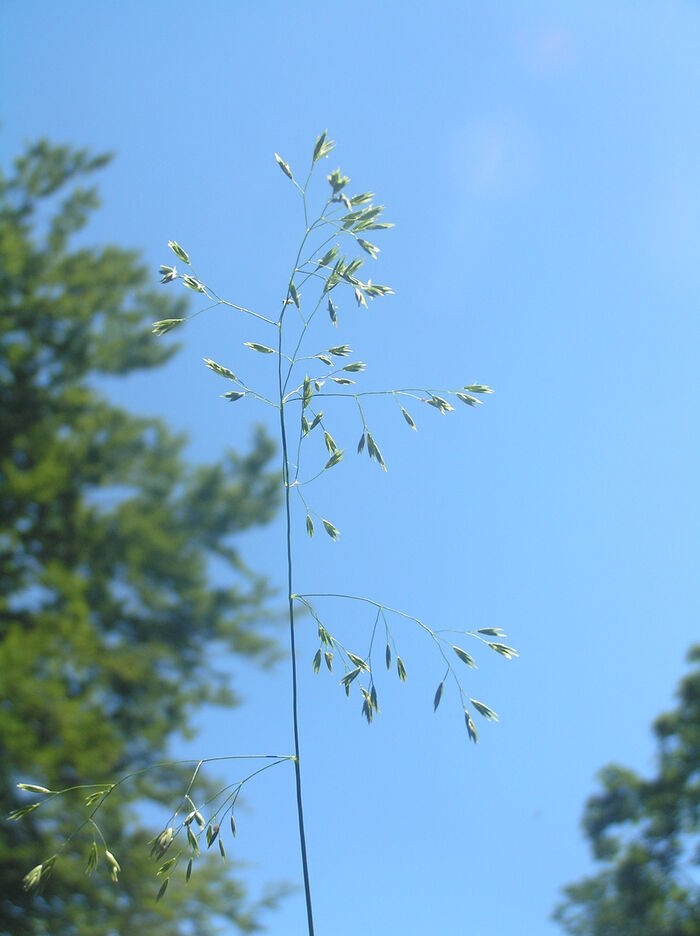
(295, 710)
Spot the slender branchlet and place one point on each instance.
(189, 822)
(308, 387)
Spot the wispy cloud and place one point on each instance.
(499, 158)
(546, 49)
(673, 223)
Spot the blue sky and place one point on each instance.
(540, 162)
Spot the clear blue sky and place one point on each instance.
(540, 161)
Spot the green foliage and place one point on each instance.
(645, 834)
(106, 604)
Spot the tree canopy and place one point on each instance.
(108, 609)
(645, 833)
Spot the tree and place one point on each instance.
(646, 835)
(106, 536)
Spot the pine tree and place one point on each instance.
(645, 833)
(106, 535)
